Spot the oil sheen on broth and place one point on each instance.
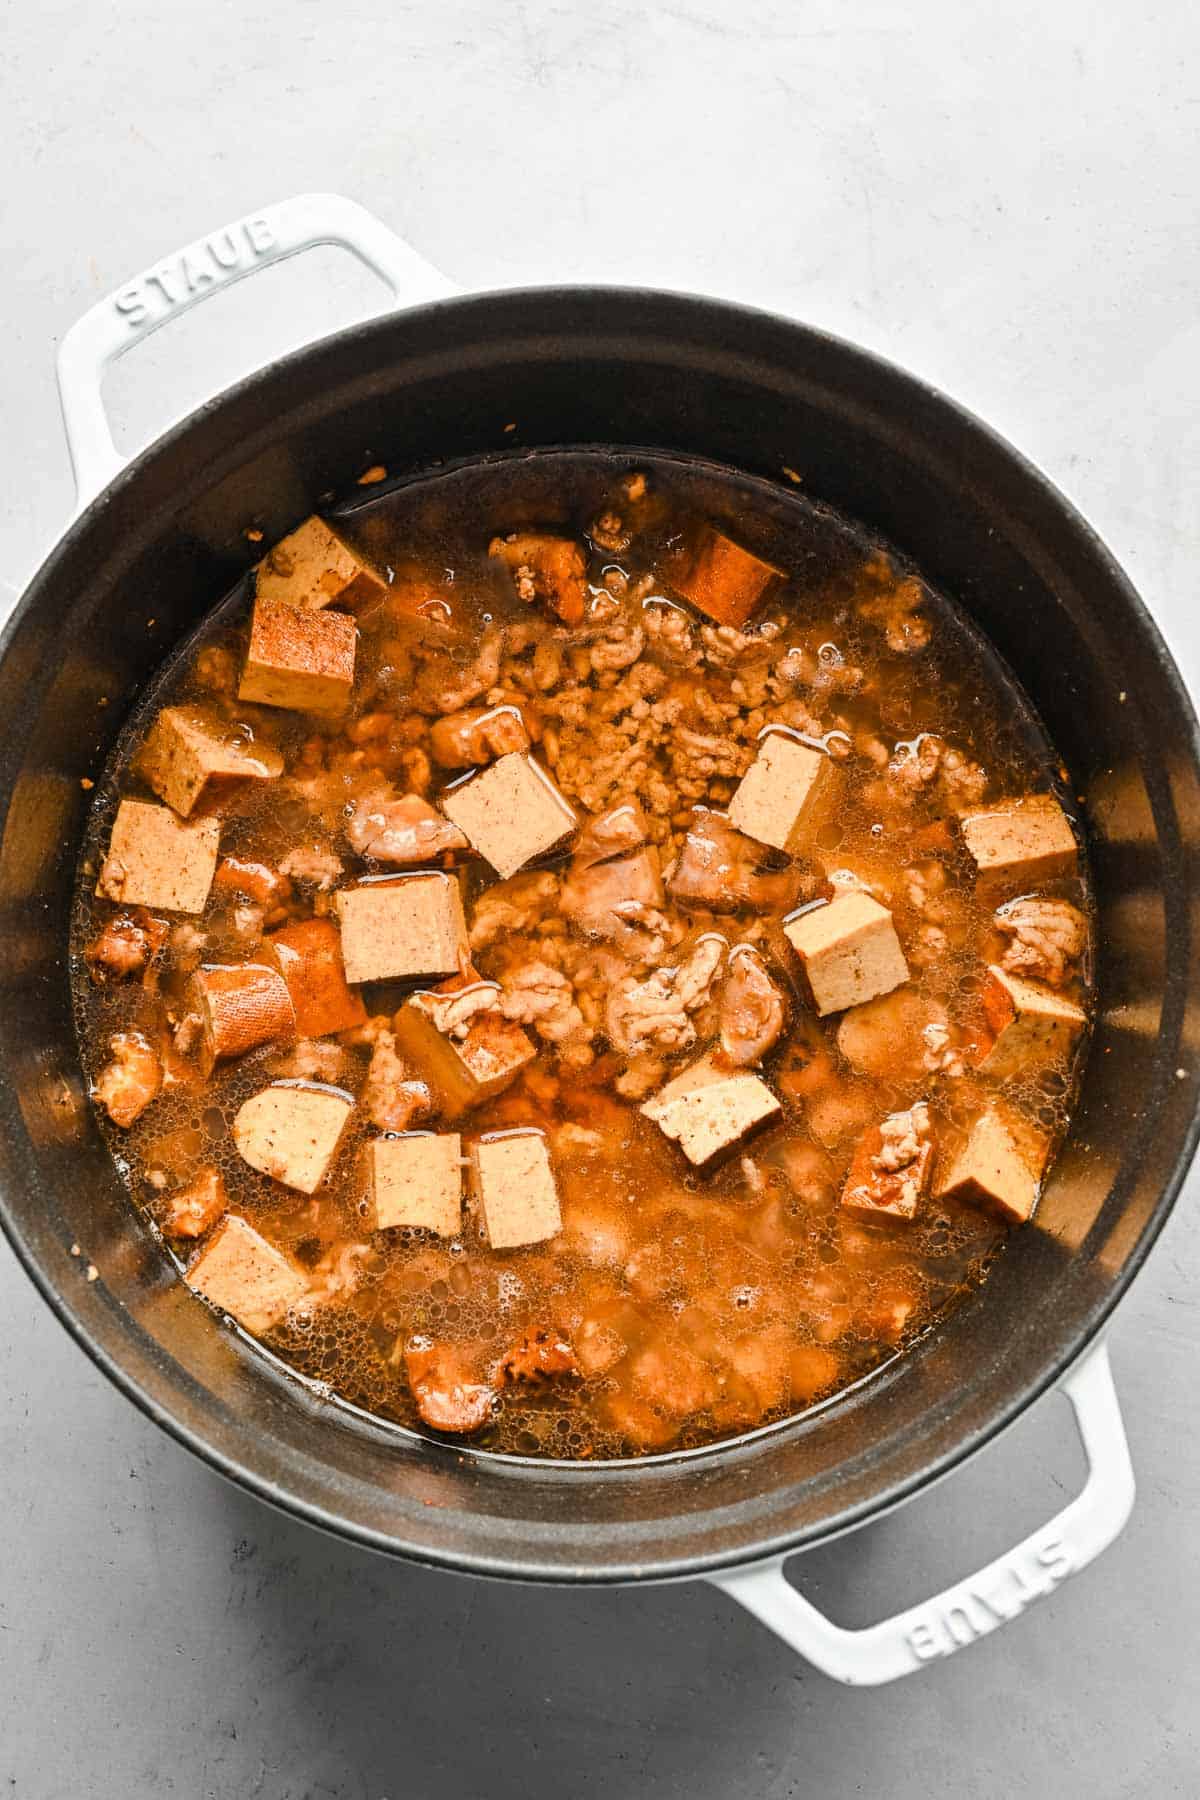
(637, 647)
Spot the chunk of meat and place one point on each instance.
(927, 760)
(546, 568)
(313, 863)
(896, 607)
(656, 1013)
(445, 1386)
(258, 881)
(535, 994)
(752, 1009)
(126, 1085)
(464, 740)
(445, 686)
(612, 833)
(192, 1210)
(400, 829)
(608, 898)
(1046, 938)
(890, 1171)
(394, 1097)
(125, 945)
(513, 906)
(539, 1356)
(721, 870)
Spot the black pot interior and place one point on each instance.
(602, 367)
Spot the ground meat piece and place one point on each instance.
(904, 1135)
(125, 945)
(216, 669)
(314, 863)
(551, 569)
(445, 1385)
(698, 758)
(126, 1086)
(444, 686)
(752, 1009)
(655, 1013)
(895, 606)
(400, 829)
(514, 905)
(258, 881)
(669, 633)
(725, 644)
(464, 740)
(612, 833)
(941, 1057)
(644, 1073)
(393, 1097)
(915, 766)
(538, 995)
(619, 647)
(453, 1008)
(538, 1356)
(719, 870)
(1047, 938)
(193, 1209)
(310, 1059)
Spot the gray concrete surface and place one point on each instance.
(1002, 198)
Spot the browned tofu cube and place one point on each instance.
(1030, 1023)
(708, 1108)
(189, 746)
(1028, 840)
(302, 660)
(416, 1180)
(848, 950)
(514, 1191)
(242, 1274)
(782, 792)
(402, 926)
(313, 567)
(510, 812)
(725, 581)
(193, 1210)
(889, 1172)
(309, 957)
(155, 859)
(292, 1132)
(240, 1005)
(546, 568)
(464, 1064)
(999, 1166)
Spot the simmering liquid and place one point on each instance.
(677, 1303)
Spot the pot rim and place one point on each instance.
(530, 1568)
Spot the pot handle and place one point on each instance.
(173, 286)
(962, 1614)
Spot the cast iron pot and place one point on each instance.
(161, 539)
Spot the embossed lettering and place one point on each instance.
(197, 273)
(225, 249)
(259, 235)
(1054, 1557)
(960, 1624)
(923, 1641)
(162, 279)
(131, 304)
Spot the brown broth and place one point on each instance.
(743, 1295)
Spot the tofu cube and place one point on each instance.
(417, 1180)
(308, 955)
(189, 746)
(781, 793)
(725, 581)
(193, 1210)
(514, 1191)
(1030, 1023)
(291, 1131)
(155, 859)
(313, 568)
(875, 1191)
(1029, 840)
(240, 1005)
(998, 1167)
(707, 1108)
(463, 1068)
(848, 950)
(302, 660)
(242, 1274)
(402, 926)
(510, 812)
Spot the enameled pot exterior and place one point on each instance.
(148, 556)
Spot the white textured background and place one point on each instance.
(1004, 198)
